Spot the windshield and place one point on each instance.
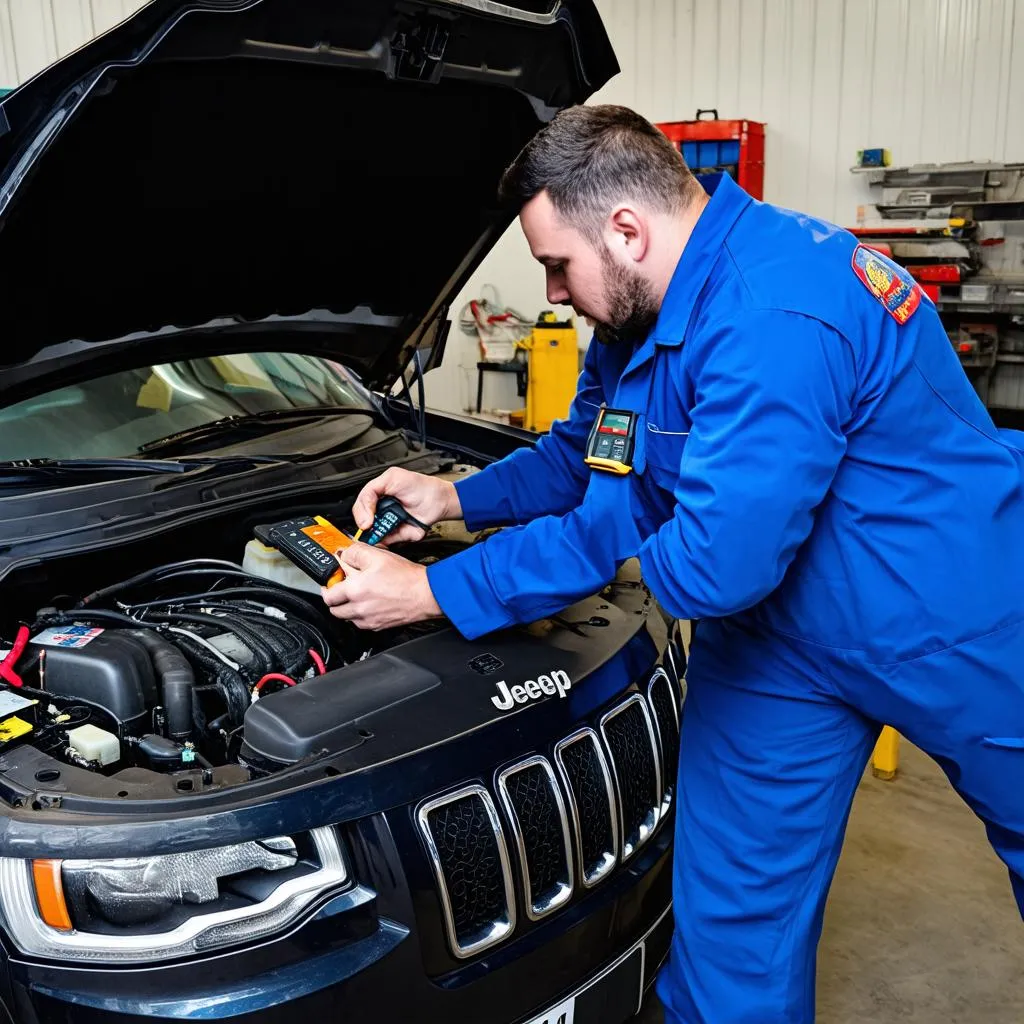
(117, 414)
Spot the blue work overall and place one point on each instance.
(818, 483)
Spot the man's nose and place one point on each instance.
(558, 294)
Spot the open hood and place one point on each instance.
(316, 175)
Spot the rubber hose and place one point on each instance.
(199, 654)
(296, 626)
(90, 615)
(177, 682)
(286, 638)
(280, 635)
(249, 637)
(230, 684)
(273, 632)
(236, 693)
(157, 571)
(296, 603)
(301, 610)
(261, 642)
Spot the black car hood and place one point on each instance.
(316, 175)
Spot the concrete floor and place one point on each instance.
(921, 927)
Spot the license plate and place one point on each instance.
(563, 1013)
(611, 998)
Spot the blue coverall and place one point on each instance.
(818, 483)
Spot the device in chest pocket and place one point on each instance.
(611, 442)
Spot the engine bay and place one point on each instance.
(154, 673)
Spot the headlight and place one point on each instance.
(142, 909)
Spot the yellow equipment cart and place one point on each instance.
(553, 358)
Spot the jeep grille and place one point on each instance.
(612, 789)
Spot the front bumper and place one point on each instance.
(393, 990)
(604, 961)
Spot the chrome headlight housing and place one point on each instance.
(171, 906)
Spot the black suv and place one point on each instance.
(230, 231)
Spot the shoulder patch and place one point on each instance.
(890, 283)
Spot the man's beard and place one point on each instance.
(632, 307)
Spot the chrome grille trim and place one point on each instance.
(610, 857)
(675, 655)
(648, 826)
(505, 11)
(538, 906)
(501, 927)
(668, 770)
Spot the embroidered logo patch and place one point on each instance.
(890, 283)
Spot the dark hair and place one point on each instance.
(590, 158)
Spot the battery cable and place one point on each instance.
(7, 672)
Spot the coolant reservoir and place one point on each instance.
(269, 564)
(95, 744)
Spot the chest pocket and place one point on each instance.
(664, 451)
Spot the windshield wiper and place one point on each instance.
(34, 471)
(242, 422)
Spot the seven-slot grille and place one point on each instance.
(618, 792)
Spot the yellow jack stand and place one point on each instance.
(886, 757)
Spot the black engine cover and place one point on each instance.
(322, 714)
(113, 672)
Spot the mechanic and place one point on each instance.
(814, 479)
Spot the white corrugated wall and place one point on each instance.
(930, 80)
(34, 33)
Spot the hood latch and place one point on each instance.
(418, 50)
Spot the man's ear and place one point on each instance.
(628, 234)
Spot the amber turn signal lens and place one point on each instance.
(50, 894)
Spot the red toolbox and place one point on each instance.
(712, 147)
(935, 273)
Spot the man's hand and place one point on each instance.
(424, 497)
(381, 590)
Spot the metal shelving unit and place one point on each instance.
(959, 229)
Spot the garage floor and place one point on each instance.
(921, 927)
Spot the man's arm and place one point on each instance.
(547, 479)
(765, 441)
(526, 572)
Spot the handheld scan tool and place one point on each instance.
(611, 441)
(390, 514)
(311, 543)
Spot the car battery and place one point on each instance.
(713, 147)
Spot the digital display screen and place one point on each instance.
(614, 423)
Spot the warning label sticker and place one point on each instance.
(11, 703)
(13, 728)
(67, 636)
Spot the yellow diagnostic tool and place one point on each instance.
(312, 543)
(611, 441)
